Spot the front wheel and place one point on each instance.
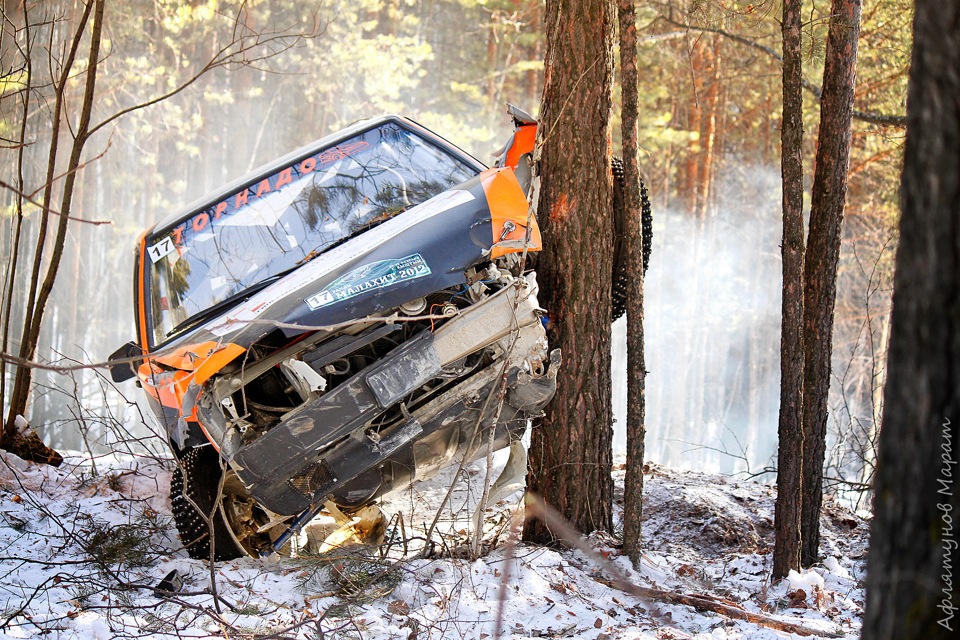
(235, 516)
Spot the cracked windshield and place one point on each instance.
(288, 218)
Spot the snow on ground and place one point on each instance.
(80, 551)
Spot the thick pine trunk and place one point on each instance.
(913, 590)
(786, 550)
(570, 450)
(822, 257)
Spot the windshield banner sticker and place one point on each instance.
(376, 275)
(257, 191)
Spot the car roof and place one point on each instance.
(212, 198)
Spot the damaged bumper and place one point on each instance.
(338, 444)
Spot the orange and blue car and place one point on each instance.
(330, 327)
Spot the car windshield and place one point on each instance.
(272, 226)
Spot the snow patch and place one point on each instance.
(703, 534)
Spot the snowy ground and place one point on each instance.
(80, 551)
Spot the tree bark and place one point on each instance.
(786, 549)
(633, 245)
(570, 450)
(911, 576)
(822, 257)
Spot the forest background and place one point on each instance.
(710, 114)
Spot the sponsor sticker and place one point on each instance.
(161, 249)
(376, 275)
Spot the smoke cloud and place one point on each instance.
(712, 331)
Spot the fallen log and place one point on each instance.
(538, 509)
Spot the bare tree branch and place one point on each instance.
(887, 120)
(32, 364)
(234, 53)
(29, 197)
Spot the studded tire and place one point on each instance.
(198, 477)
(620, 274)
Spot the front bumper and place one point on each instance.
(324, 449)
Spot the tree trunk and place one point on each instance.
(570, 451)
(786, 549)
(691, 178)
(491, 63)
(710, 98)
(822, 257)
(9, 294)
(911, 575)
(633, 246)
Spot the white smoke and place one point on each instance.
(712, 331)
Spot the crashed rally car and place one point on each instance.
(335, 325)
(331, 326)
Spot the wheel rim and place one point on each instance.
(244, 518)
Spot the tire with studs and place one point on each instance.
(198, 477)
(620, 274)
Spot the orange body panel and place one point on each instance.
(193, 364)
(524, 139)
(204, 359)
(508, 203)
(141, 295)
(168, 387)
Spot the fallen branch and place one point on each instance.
(706, 603)
(563, 531)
